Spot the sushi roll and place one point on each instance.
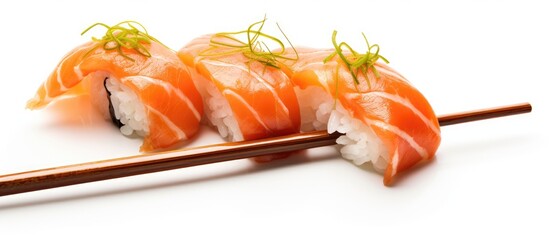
(134, 80)
(386, 121)
(246, 97)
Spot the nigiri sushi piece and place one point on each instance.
(133, 79)
(246, 96)
(387, 122)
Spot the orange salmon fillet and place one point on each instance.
(261, 97)
(161, 82)
(396, 111)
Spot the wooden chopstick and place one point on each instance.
(155, 162)
(475, 115)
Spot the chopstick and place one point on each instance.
(155, 162)
(476, 115)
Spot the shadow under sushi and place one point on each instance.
(83, 113)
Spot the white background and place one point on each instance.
(489, 178)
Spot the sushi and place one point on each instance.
(246, 95)
(249, 92)
(134, 80)
(386, 121)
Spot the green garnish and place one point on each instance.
(132, 36)
(357, 62)
(254, 46)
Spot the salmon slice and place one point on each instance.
(261, 98)
(161, 82)
(396, 111)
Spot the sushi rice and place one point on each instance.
(360, 144)
(218, 111)
(128, 110)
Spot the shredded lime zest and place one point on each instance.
(356, 62)
(126, 34)
(255, 46)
